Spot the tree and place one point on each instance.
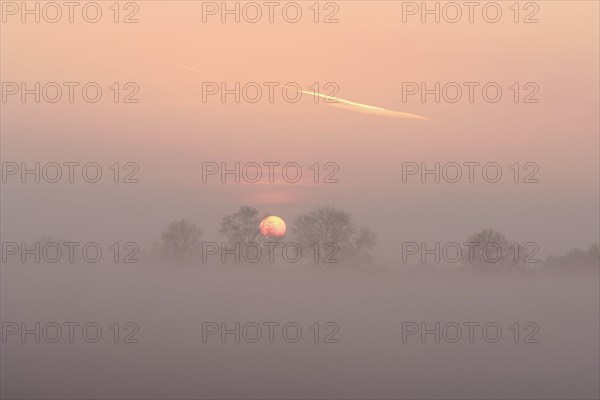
(575, 261)
(180, 239)
(327, 227)
(491, 250)
(243, 226)
(594, 252)
(365, 240)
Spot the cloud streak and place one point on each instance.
(365, 108)
(346, 104)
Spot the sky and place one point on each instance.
(370, 56)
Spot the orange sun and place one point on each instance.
(272, 226)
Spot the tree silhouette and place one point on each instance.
(328, 225)
(575, 261)
(243, 226)
(490, 250)
(180, 239)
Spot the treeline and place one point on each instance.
(329, 236)
(325, 235)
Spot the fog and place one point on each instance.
(170, 303)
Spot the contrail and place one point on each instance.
(365, 108)
(347, 104)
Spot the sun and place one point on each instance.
(272, 226)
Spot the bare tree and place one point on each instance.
(180, 239)
(490, 250)
(327, 226)
(365, 240)
(243, 226)
(575, 261)
(594, 252)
